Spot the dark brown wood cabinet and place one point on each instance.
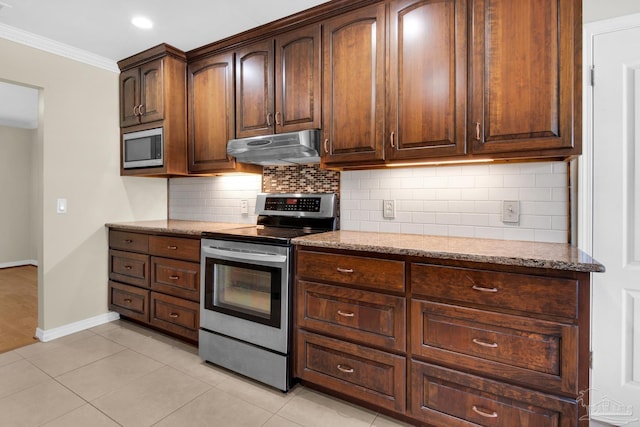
(153, 95)
(427, 79)
(485, 344)
(155, 280)
(525, 79)
(353, 97)
(278, 84)
(211, 112)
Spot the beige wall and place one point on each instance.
(596, 10)
(16, 165)
(76, 157)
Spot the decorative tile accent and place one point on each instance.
(300, 179)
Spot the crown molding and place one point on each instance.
(48, 45)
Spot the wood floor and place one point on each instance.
(18, 306)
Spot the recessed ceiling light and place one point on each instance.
(142, 22)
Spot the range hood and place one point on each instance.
(280, 149)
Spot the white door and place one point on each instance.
(615, 384)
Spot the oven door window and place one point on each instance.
(247, 291)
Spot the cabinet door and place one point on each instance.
(211, 113)
(427, 78)
(129, 97)
(353, 86)
(254, 90)
(151, 91)
(523, 56)
(298, 80)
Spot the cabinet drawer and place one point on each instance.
(129, 301)
(369, 317)
(370, 375)
(443, 397)
(175, 247)
(129, 267)
(531, 294)
(134, 242)
(178, 278)
(366, 272)
(528, 351)
(175, 315)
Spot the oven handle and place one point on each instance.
(245, 255)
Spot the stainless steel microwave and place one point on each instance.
(142, 149)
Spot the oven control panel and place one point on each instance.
(315, 205)
(292, 204)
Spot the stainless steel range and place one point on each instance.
(246, 307)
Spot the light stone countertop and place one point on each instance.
(175, 226)
(557, 256)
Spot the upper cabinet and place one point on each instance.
(525, 91)
(278, 84)
(427, 79)
(152, 95)
(142, 93)
(353, 86)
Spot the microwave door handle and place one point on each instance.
(245, 256)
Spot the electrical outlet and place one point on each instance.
(244, 207)
(511, 211)
(388, 209)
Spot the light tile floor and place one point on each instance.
(120, 374)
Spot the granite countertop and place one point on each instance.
(557, 256)
(190, 228)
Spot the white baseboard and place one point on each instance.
(71, 328)
(19, 263)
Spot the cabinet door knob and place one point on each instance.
(392, 139)
(141, 109)
(127, 300)
(481, 411)
(172, 248)
(278, 116)
(127, 267)
(174, 277)
(344, 270)
(174, 315)
(269, 119)
(136, 110)
(326, 145)
(346, 369)
(477, 131)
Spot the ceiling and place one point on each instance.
(103, 30)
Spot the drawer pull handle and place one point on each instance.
(173, 248)
(345, 270)
(484, 343)
(344, 368)
(484, 413)
(128, 300)
(174, 315)
(127, 267)
(345, 313)
(128, 241)
(174, 277)
(481, 289)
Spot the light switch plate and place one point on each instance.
(61, 206)
(511, 211)
(388, 209)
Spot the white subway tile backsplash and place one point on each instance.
(461, 200)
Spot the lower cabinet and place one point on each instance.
(155, 280)
(444, 343)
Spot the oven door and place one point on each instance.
(245, 292)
